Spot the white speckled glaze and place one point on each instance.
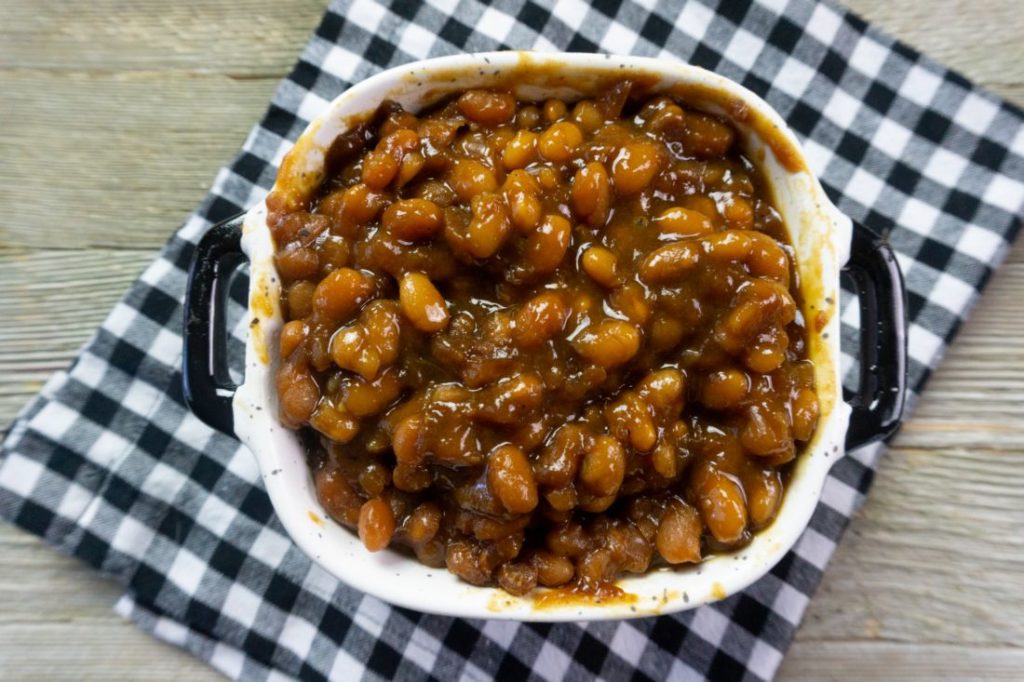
(821, 236)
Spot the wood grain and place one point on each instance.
(114, 118)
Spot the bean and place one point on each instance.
(511, 398)
(469, 178)
(630, 299)
(525, 211)
(722, 506)
(567, 540)
(630, 420)
(334, 421)
(340, 294)
(559, 460)
(376, 524)
(663, 388)
(489, 227)
(805, 414)
(413, 219)
(299, 299)
(591, 194)
(541, 318)
(766, 431)
(669, 262)
(608, 343)
(705, 136)
(739, 214)
(604, 466)
(634, 167)
(337, 495)
(554, 109)
(521, 150)
(517, 578)
(511, 480)
(487, 107)
(422, 303)
(465, 560)
(528, 117)
(680, 223)
(553, 570)
(559, 142)
(679, 531)
(374, 479)
(297, 262)
(665, 460)
(764, 495)
(359, 204)
(587, 115)
(405, 440)
(334, 253)
(601, 265)
(546, 246)
(292, 335)
(298, 395)
(379, 169)
(423, 523)
(364, 398)
(725, 388)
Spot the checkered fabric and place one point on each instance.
(107, 464)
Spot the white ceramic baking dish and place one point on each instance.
(820, 234)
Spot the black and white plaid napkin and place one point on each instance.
(107, 465)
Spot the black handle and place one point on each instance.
(878, 402)
(207, 386)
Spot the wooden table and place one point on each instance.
(114, 116)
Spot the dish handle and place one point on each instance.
(877, 404)
(207, 387)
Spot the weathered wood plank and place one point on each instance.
(870, 660)
(245, 38)
(114, 161)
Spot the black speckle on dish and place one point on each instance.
(633, 609)
(824, 335)
(828, 299)
(487, 60)
(686, 597)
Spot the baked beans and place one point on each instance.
(544, 343)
